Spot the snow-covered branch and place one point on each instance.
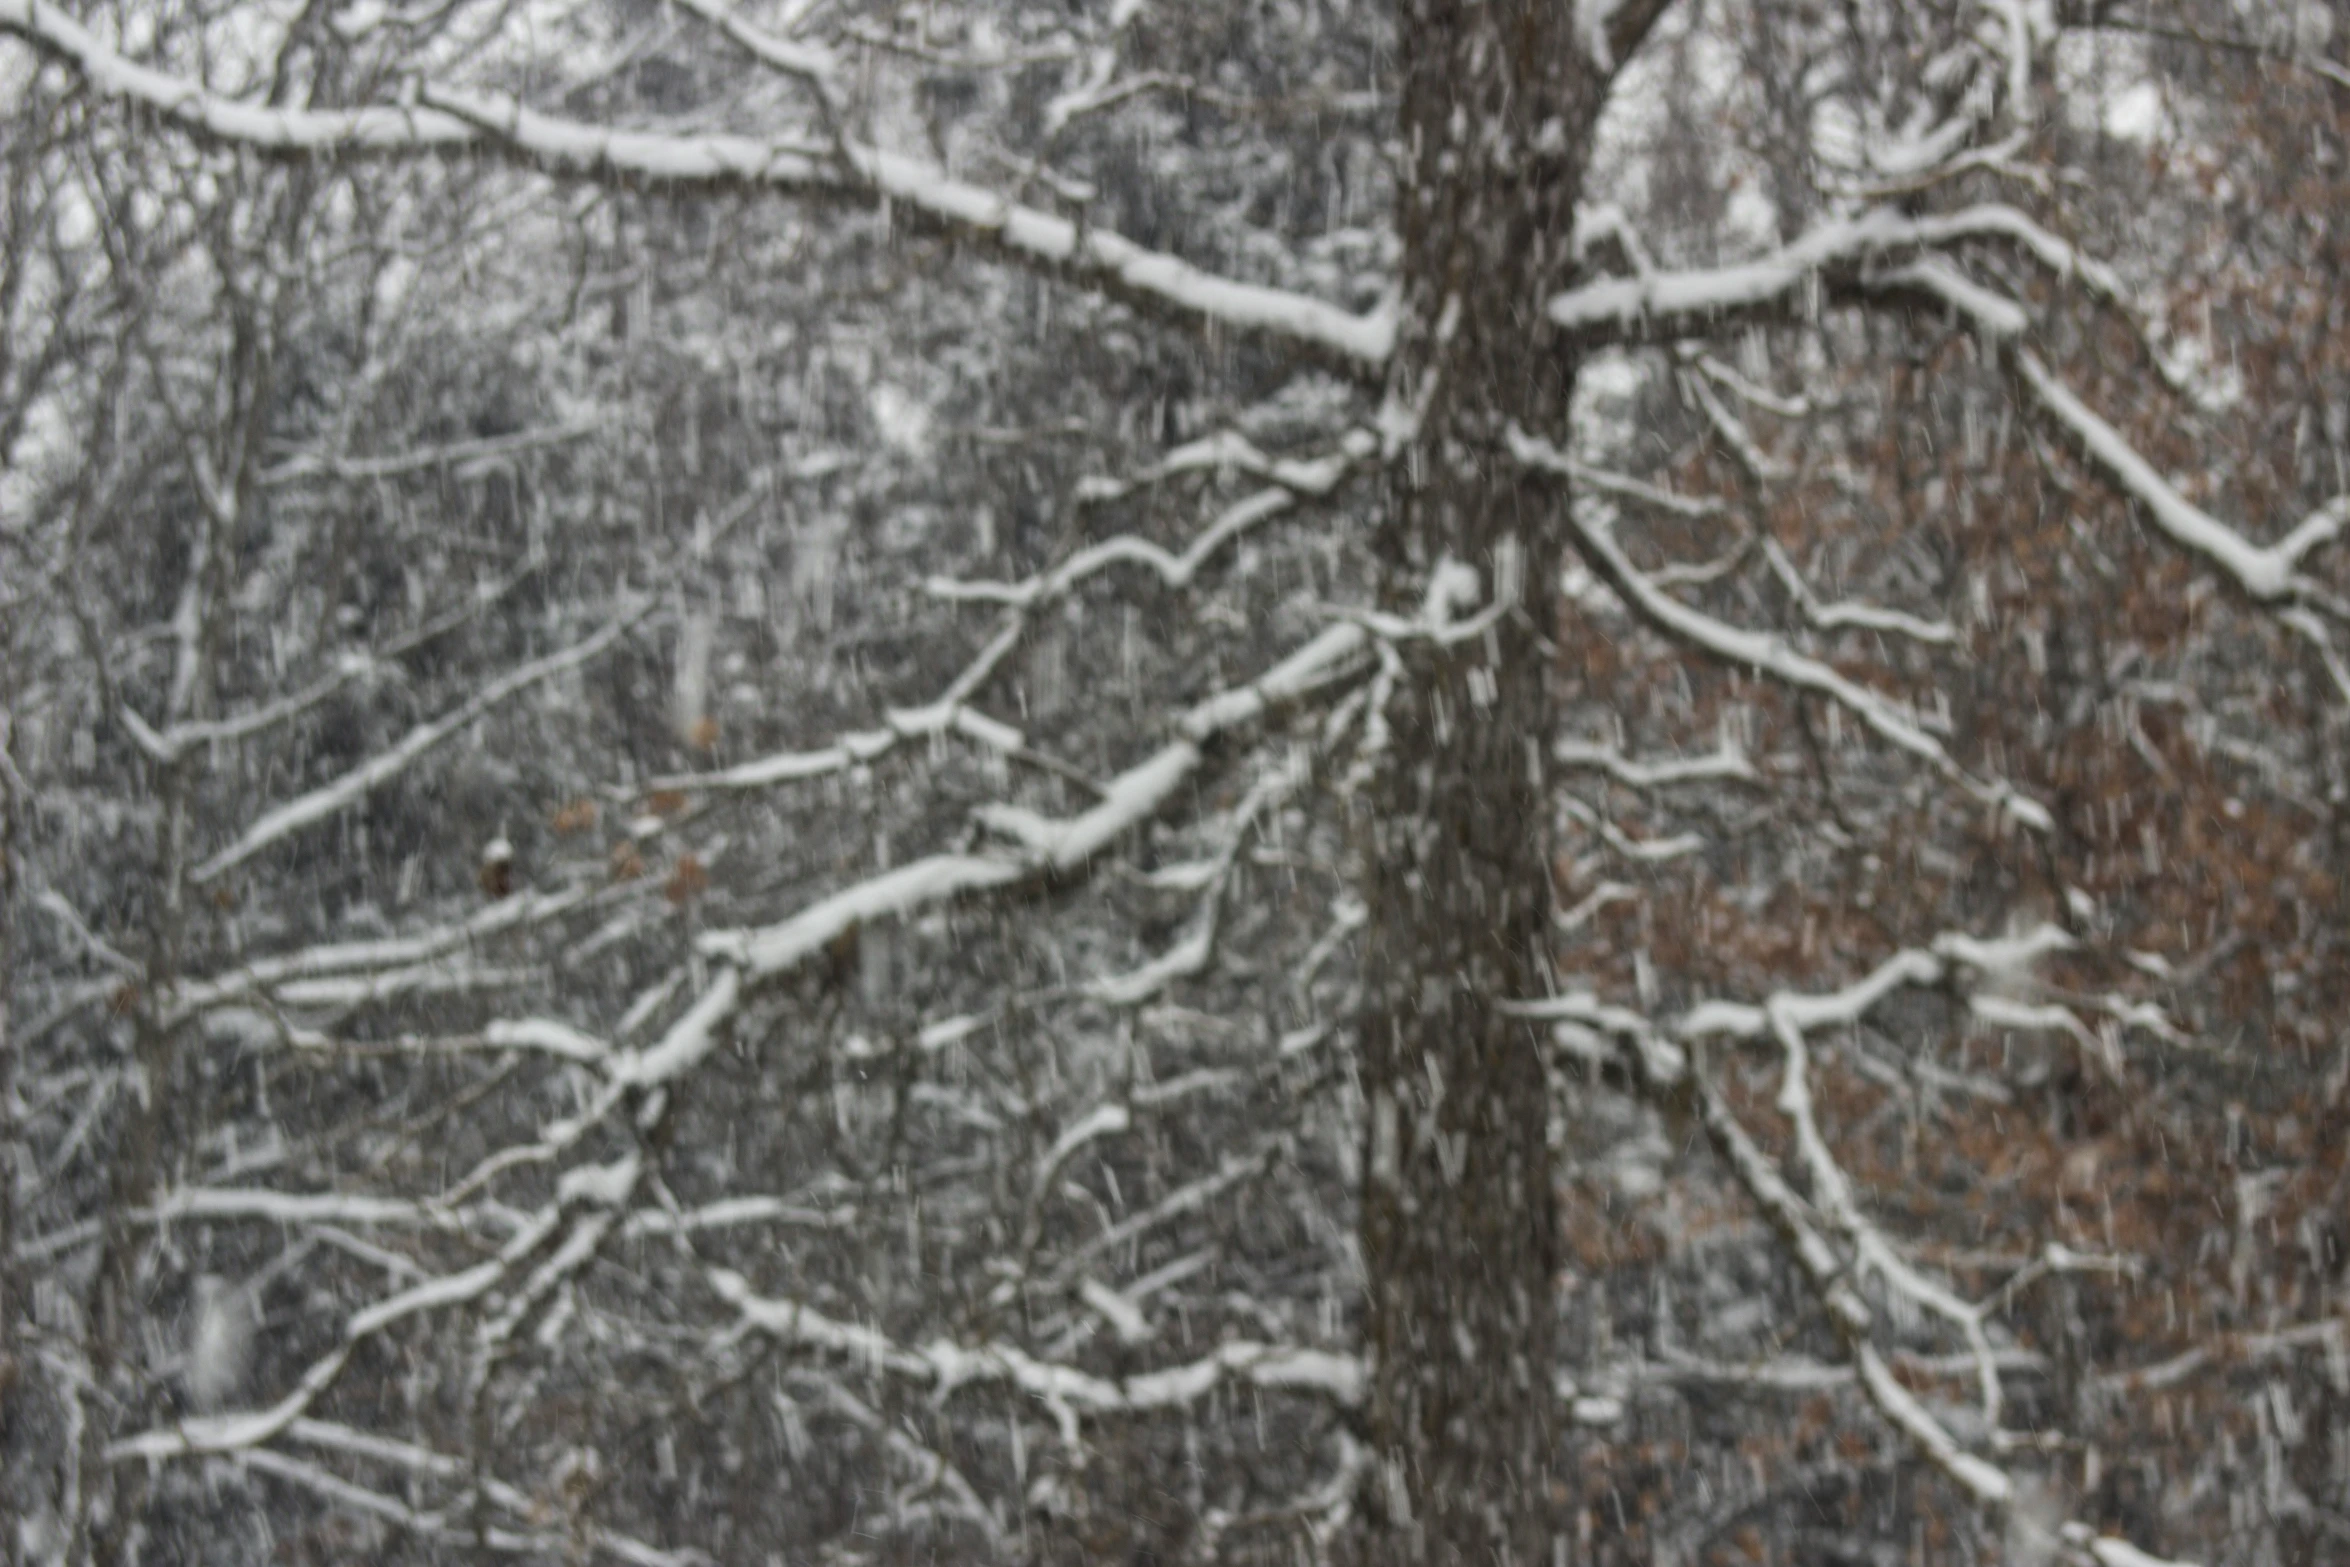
(1668, 1064)
(1766, 652)
(1642, 851)
(952, 712)
(2269, 573)
(1849, 616)
(1727, 761)
(459, 456)
(1293, 482)
(331, 799)
(1901, 249)
(947, 1367)
(265, 977)
(448, 120)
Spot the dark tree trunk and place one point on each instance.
(1460, 1224)
(13, 1424)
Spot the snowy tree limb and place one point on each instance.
(447, 120)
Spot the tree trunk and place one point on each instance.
(1459, 1218)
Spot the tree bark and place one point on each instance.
(13, 1482)
(1459, 1219)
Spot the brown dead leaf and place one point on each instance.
(687, 881)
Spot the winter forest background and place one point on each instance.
(1259, 781)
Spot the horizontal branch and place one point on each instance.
(1765, 652)
(454, 454)
(343, 793)
(947, 1366)
(1049, 848)
(411, 1459)
(1727, 762)
(595, 1191)
(445, 121)
(266, 976)
(1292, 482)
(1678, 303)
(1659, 305)
(1666, 304)
(2269, 573)
(1666, 1071)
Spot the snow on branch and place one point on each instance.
(2269, 573)
(1765, 472)
(1802, 1375)
(1644, 851)
(441, 977)
(1192, 953)
(1293, 481)
(2329, 1335)
(734, 1213)
(1100, 86)
(1832, 1193)
(1190, 1197)
(1762, 469)
(931, 1471)
(1609, 31)
(459, 455)
(1116, 266)
(301, 132)
(1050, 848)
(1696, 508)
(1851, 616)
(588, 1197)
(329, 800)
(809, 63)
(446, 120)
(331, 1487)
(947, 1367)
(169, 744)
(292, 1209)
(246, 1429)
(55, 904)
(778, 949)
(1143, 790)
(1987, 1484)
(457, 1529)
(1984, 1482)
(353, 666)
(424, 1463)
(267, 976)
(1765, 652)
(952, 710)
(1980, 968)
(1667, 1065)
(1330, 657)
(864, 747)
(1841, 251)
(1678, 303)
(1133, 796)
(1745, 390)
(1726, 762)
(597, 1194)
(1683, 302)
